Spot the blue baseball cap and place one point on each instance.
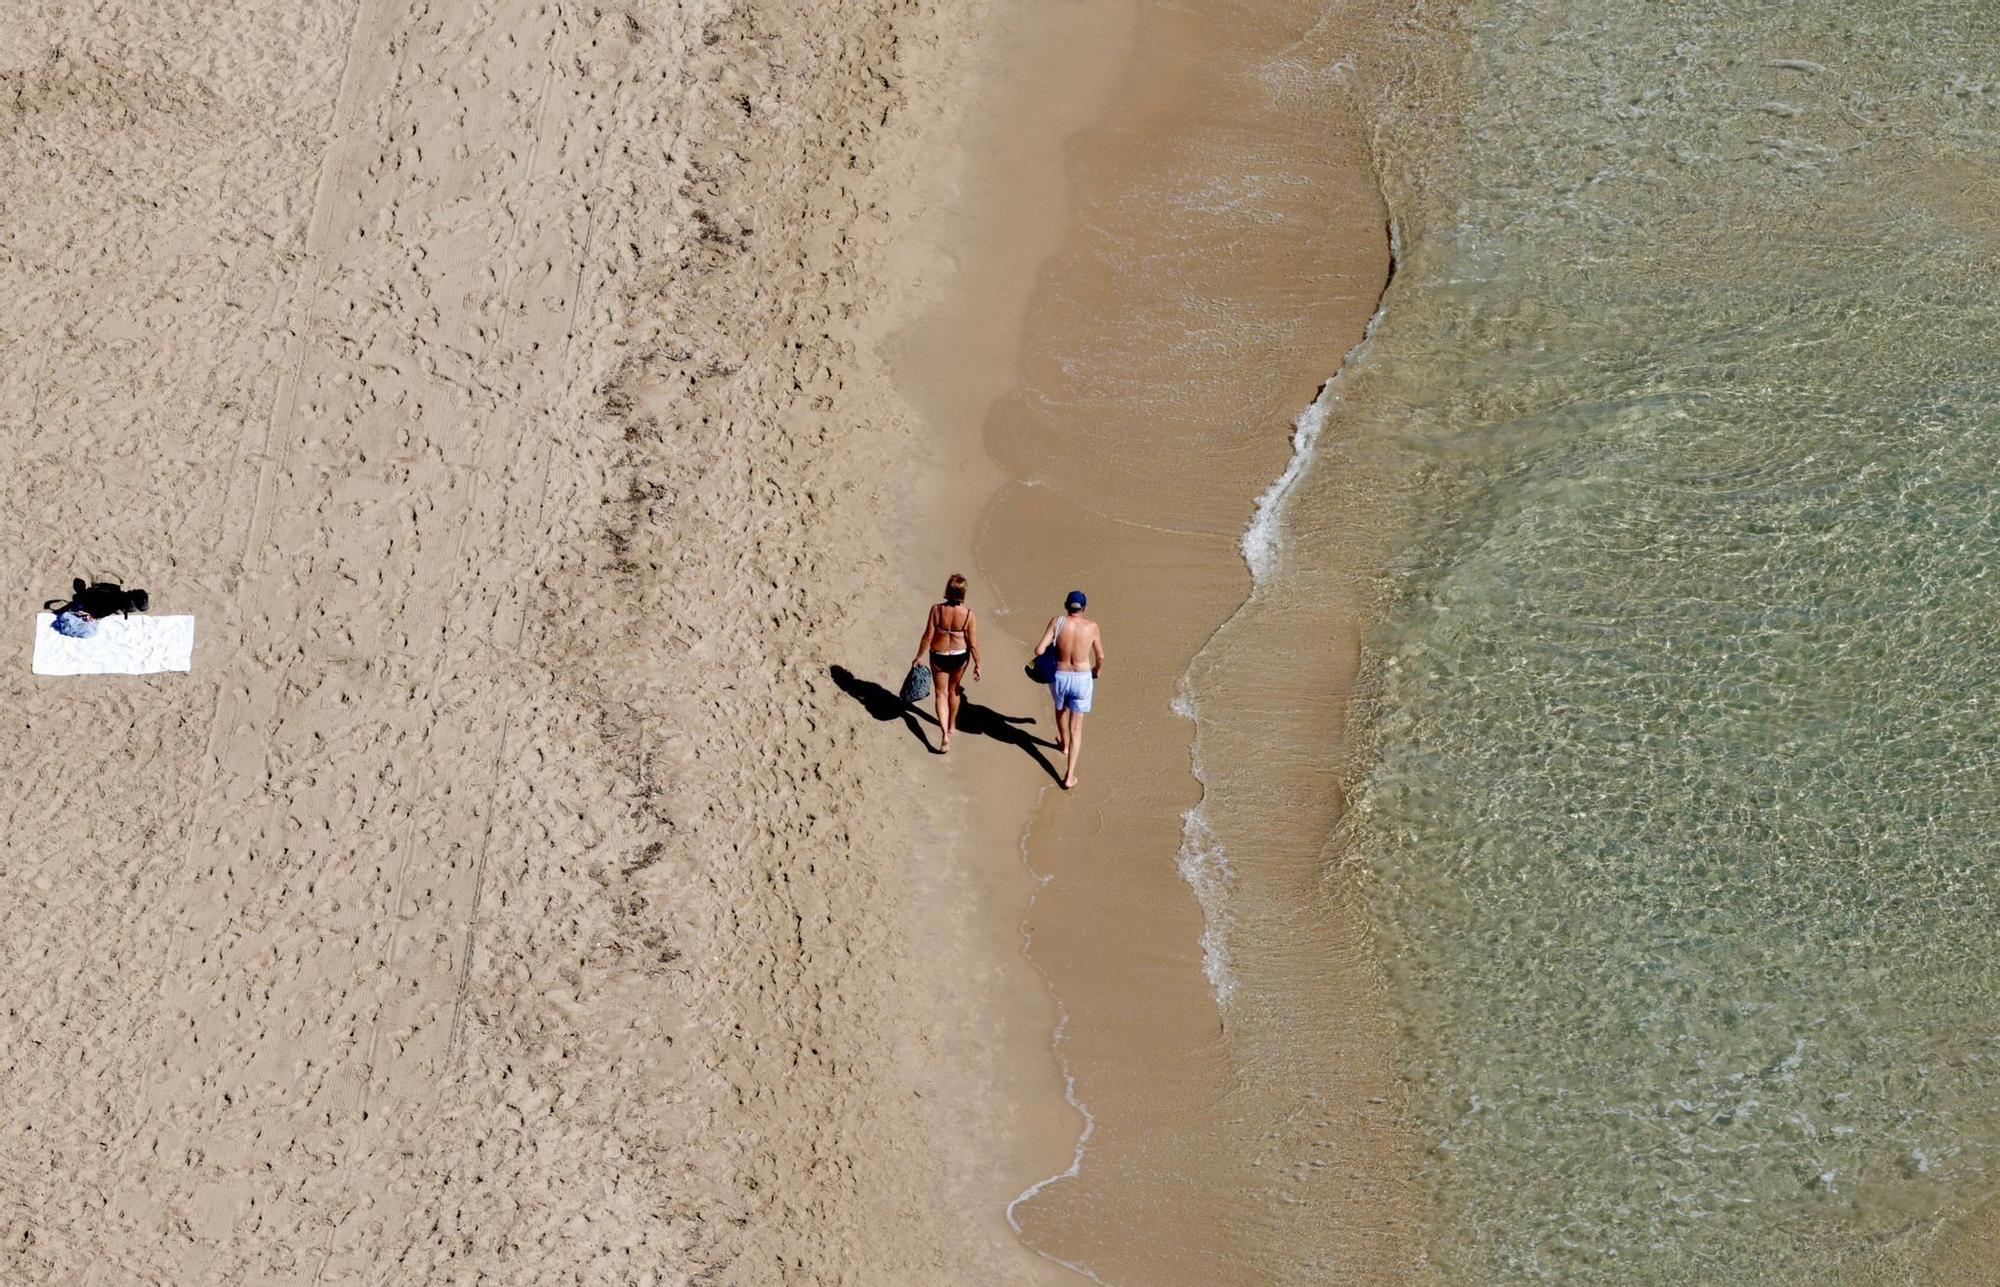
(1076, 600)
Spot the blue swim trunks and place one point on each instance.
(1073, 689)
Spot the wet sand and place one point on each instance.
(1038, 72)
(1224, 246)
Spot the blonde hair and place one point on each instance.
(954, 589)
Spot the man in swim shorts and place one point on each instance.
(1079, 659)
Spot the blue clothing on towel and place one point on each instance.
(74, 625)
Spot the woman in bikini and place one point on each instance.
(951, 637)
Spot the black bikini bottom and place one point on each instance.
(949, 662)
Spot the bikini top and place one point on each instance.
(963, 621)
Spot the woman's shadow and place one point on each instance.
(977, 720)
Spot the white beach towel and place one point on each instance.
(138, 645)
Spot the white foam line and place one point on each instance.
(1205, 867)
(1201, 860)
(1261, 539)
(1075, 1167)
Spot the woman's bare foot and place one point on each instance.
(1069, 783)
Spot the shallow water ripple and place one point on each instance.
(1686, 814)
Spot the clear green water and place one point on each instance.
(1686, 813)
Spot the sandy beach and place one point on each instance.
(511, 892)
(557, 419)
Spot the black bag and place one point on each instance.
(104, 599)
(917, 684)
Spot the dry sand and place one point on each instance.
(512, 893)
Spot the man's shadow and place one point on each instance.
(977, 720)
(984, 721)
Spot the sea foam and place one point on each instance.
(1205, 867)
(1203, 863)
(1075, 1167)
(1262, 540)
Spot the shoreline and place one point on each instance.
(1202, 144)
